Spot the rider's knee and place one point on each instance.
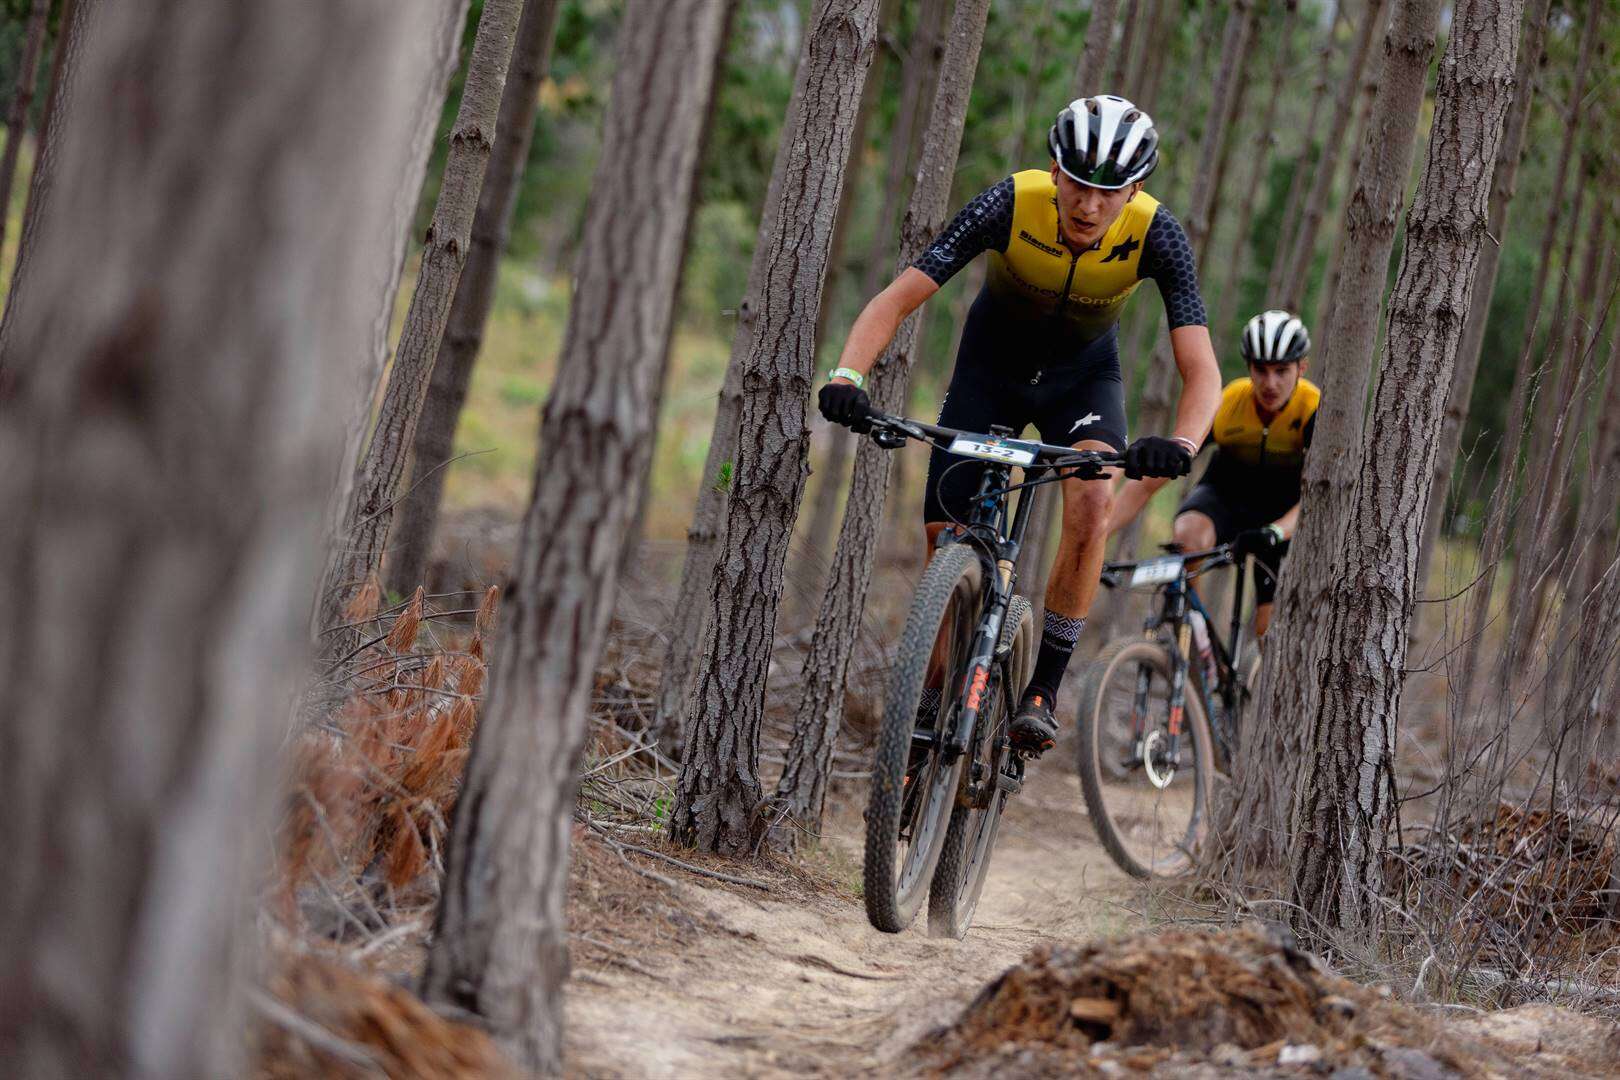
(1086, 508)
(1193, 532)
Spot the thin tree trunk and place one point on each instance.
(802, 789)
(499, 948)
(1368, 92)
(1504, 184)
(22, 99)
(357, 554)
(688, 618)
(1303, 246)
(1283, 240)
(167, 437)
(1156, 48)
(1346, 800)
(1119, 71)
(1500, 515)
(717, 795)
(1254, 819)
(1091, 76)
(411, 546)
(78, 16)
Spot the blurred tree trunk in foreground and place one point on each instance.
(500, 941)
(1504, 184)
(1346, 800)
(1500, 517)
(411, 546)
(358, 548)
(167, 438)
(73, 28)
(802, 789)
(1252, 822)
(22, 99)
(718, 793)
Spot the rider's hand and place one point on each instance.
(1152, 456)
(1259, 541)
(844, 403)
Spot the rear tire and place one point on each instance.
(896, 871)
(964, 861)
(1138, 822)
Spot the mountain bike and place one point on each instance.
(939, 786)
(1158, 713)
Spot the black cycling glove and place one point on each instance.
(1258, 541)
(1153, 456)
(843, 403)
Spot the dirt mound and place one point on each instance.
(1203, 1003)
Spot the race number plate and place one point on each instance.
(1156, 571)
(1006, 452)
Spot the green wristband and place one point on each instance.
(849, 373)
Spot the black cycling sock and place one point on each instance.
(928, 706)
(1057, 645)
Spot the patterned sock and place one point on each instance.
(928, 707)
(1057, 645)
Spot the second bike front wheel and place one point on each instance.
(913, 785)
(1150, 808)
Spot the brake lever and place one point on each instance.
(888, 438)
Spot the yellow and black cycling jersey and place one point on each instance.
(1035, 281)
(1261, 463)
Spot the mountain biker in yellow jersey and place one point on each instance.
(1067, 247)
(1249, 495)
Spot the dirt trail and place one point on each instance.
(789, 988)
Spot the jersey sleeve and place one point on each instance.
(1167, 258)
(984, 224)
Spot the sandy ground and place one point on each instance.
(796, 988)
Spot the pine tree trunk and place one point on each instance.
(1346, 801)
(22, 99)
(1155, 48)
(688, 617)
(358, 552)
(411, 546)
(718, 792)
(78, 16)
(1091, 76)
(499, 948)
(1254, 819)
(1283, 239)
(1366, 95)
(802, 789)
(1504, 183)
(167, 436)
(1500, 516)
(1119, 71)
(1302, 250)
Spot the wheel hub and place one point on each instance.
(1156, 762)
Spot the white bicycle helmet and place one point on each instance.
(1104, 141)
(1275, 337)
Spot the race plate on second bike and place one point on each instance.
(1156, 571)
(1006, 451)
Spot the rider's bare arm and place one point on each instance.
(1200, 383)
(1288, 522)
(1132, 496)
(876, 325)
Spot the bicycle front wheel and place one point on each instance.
(913, 786)
(1146, 777)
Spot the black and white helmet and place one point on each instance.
(1104, 141)
(1275, 337)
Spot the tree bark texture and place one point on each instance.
(357, 553)
(1253, 827)
(1091, 75)
(1120, 71)
(1499, 520)
(1282, 241)
(1504, 183)
(500, 946)
(22, 99)
(802, 790)
(411, 547)
(167, 436)
(1302, 249)
(718, 793)
(78, 16)
(1346, 799)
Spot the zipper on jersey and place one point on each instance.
(1063, 301)
(1265, 430)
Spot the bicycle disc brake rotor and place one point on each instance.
(1156, 760)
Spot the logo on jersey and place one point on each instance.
(1084, 421)
(1023, 234)
(1122, 251)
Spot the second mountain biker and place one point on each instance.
(1067, 247)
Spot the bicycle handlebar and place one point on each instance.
(890, 431)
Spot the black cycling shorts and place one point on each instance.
(1232, 516)
(1009, 377)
